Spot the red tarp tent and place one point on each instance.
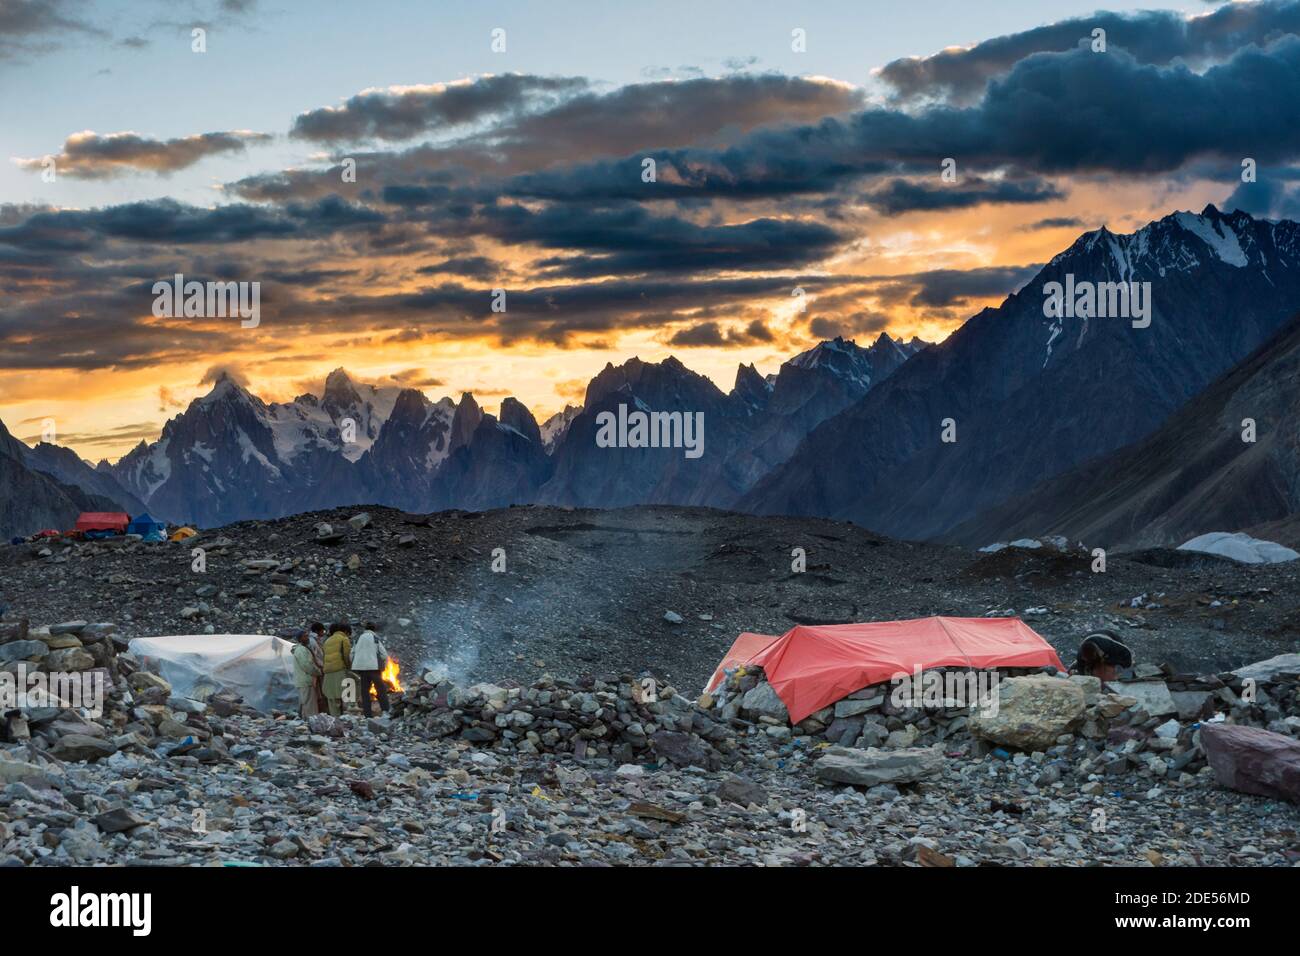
(742, 652)
(103, 521)
(812, 667)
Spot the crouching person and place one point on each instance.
(1102, 655)
(369, 658)
(338, 659)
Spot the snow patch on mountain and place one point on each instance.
(1217, 234)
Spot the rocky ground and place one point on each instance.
(590, 591)
(589, 774)
(545, 764)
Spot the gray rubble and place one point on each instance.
(607, 772)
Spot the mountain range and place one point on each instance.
(1020, 422)
(231, 456)
(1030, 397)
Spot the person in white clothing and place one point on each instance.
(369, 657)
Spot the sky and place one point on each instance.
(798, 190)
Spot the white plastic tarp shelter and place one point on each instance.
(258, 667)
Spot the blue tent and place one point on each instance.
(148, 527)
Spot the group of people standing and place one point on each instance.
(323, 666)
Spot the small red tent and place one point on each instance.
(812, 667)
(103, 521)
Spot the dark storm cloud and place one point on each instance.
(88, 155)
(629, 239)
(471, 267)
(1155, 37)
(848, 326)
(1268, 198)
(585, 127)
(168, 221)
(554, 313)
(1075, 112)
(404, 112)
(898, 196)
(940, 288)
(712, 335)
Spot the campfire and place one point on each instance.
(389, 676)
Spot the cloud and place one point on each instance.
(88, 155)
(1269, 197)
(169, 221)
(38, 26)
(402, 112)
(167, 399)
(416, 378)
(585, 127)
(217, 372)
(898, 196)
(114, 437)
(1154, 37)
(471, 267)
(941, 288)
(1076, 112)
(1054, 222)
(710, 334)
(849, 326)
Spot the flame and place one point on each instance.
(389, 675)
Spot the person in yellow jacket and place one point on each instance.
(338, 661)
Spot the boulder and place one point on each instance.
(76, 747)
(1152, 696)
(23, 651)
(1031, 712)
(681, 749)
(142, 681)
(1271, 668)
(19, 771)
(68, 660)
(869, 768)
(119, 820)
(1091, 687)
(1253, 760)
(58, 642)
(763, 701)
(92, 633)
(739, 790)
(1191, 704)
(853, 708)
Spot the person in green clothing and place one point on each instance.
(338, 661)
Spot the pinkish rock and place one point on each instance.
(1253, 760)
